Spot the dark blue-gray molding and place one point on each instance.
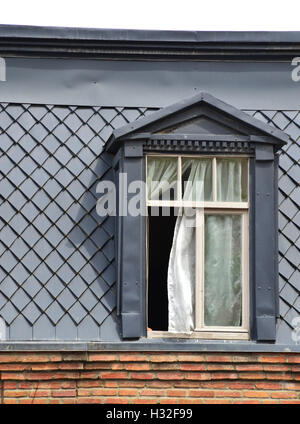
(57, 266)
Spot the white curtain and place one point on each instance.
(181, 270)
(222, 289)
(161, 174)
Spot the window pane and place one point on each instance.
(196, 179)
(223, 270)
(232, 180)
(162, 178)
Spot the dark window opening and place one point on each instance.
(160, 231)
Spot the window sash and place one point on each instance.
(203, 208)
(179, 202)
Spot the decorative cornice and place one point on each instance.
(33, 41)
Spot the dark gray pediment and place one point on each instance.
(201, 115)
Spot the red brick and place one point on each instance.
(251, 376)
(202, 393)
(228, 393)
(40, 393)
(291, 386)
(71, 366)
(190, 401)
(220, 367)
(116, 366)
(64, 393)
(113, 375)
(190, 357)
(128, 392)
(240, 385)
(214, 385)
(117, 400)
(162, 384)
(294, 359)
(69, 401)
(198, 376)
(218, 401)
(249, 367)
(131, 383)
(12, 367)
(283, 395)
(152, 392)
(15, 393)
(256, 394)
(280, 376)
(218, 358)
(168, 401)
(163, 358)
(268, 386)
(165, 366)
(171, 375)
(89, 400)
(290, 402)
(9, 384)
(128, 357)
(273, 368)
(137, 367)
(142, 376)
(110, 383)
(224, 376)
(10, 401)
(176, 393)
(144, 400)
(272, 358)
(102, 357)
(97, 392)
(193, 367)
(44, 366)
(247, 402)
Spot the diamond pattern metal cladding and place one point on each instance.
(57, 271)
(57, 256)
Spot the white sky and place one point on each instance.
(229, 15)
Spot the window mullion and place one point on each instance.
(199, 259)
(214, 178)
(179, 178)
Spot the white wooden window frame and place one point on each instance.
(204, 208)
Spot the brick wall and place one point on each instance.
(149, 378)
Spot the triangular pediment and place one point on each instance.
(200, 115)
(201, 125)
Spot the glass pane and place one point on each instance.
(232, 180)
(196, 179)
(223, 270)
(162, 178)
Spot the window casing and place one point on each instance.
(202, 125)
(210, 205)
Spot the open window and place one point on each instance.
(203, 262)
(197, 246)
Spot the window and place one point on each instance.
(207, 273)
(221, 163)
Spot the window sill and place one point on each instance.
(143, 344)
(203, 335)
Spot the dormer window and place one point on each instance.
(202, 262)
